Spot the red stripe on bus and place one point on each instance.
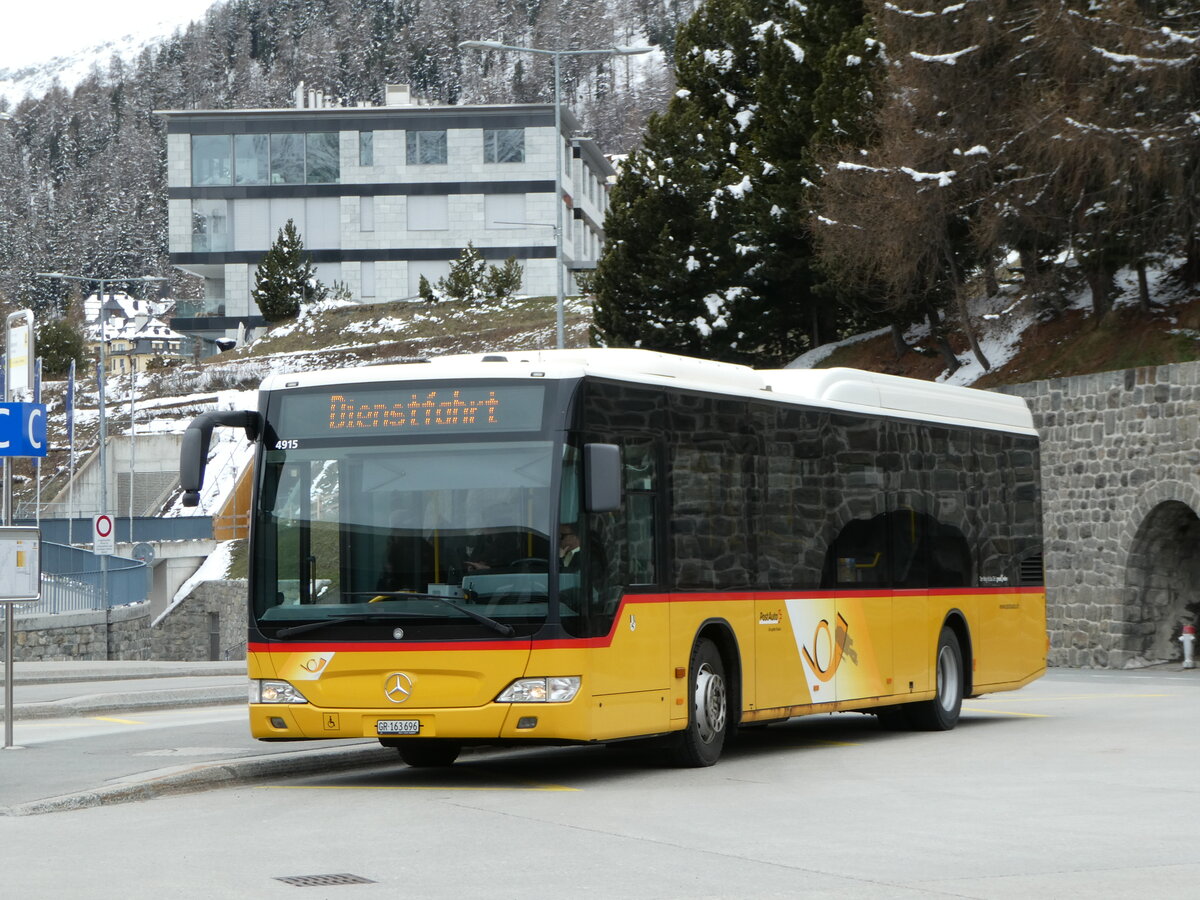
(628, 600)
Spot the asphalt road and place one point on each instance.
(1081, 784)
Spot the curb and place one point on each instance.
(102, 704)
(124, 674)
(218, 773)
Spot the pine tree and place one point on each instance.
(285, 278)
(503, 282)
(708, 239)
(472, 279)
(466, 278)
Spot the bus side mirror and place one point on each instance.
(193, 453)
(602, 477)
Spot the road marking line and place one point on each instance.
(404, 787)
(118, 721)
(1083, 697)
(1004, 712)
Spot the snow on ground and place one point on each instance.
(215, 568)
(229, 453)
(818, 355)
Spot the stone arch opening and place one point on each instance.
(1163, 580)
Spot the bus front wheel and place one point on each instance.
(941, 713)
(700, 744)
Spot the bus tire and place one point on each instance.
(700, 744)
(893, 718)
(426, 754)
(941, 713)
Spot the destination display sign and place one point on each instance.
(358, 410)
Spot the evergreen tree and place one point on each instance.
(285, 278)
(58, 342)
(709, 249)
(466, 278)
(504, 281)
(471, 278)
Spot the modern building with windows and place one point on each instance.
(381, 195)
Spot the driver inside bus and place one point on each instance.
(496, 546)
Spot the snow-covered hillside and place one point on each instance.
(64, 41)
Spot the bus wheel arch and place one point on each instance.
(957, 622)
(951, 682)
(714, 683)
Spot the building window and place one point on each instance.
(366, 213)
(428, 213)
(425, 148)
(212, 159)
(504, 145)
(323, 160)
(287, 159)
(252, 224)
(367, 279)
(504, 211)
(210, 226)
(251, 159)
(322, 223)
(366, 148)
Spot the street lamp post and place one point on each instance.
(9, 626)
(557, 56)
(103, 377)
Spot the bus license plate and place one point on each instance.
(398, 726)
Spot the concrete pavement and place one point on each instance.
(92, 733)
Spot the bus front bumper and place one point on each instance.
(495, 721)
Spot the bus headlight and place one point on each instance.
(263, 691)
(554, 689)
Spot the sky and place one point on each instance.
(32, 33)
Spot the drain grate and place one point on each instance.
(323, 880)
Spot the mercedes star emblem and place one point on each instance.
(398, 687)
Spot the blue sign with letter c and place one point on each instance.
(22, 429)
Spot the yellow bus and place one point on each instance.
(599, 545)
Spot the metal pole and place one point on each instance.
(9, 616)
(132, 437)
(560, 340)
(103, 443)
(8, 673)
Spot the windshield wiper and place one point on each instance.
(312, 626)
(499, 627)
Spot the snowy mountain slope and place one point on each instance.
(36, 54)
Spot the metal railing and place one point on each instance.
(145, 528)
(72, 581)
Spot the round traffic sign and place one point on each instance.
(104, 526)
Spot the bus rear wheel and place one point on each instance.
(941, 713)
(700, 744)
(425, 754)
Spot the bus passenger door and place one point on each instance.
(860, 631)
(617, 570)
(858, 562)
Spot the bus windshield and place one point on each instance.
(384, 539)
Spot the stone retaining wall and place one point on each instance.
(128, 633)
(121, 633)
(210, 624)
(1120, 466)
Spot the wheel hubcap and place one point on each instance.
(947, 679)
(710, 703)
